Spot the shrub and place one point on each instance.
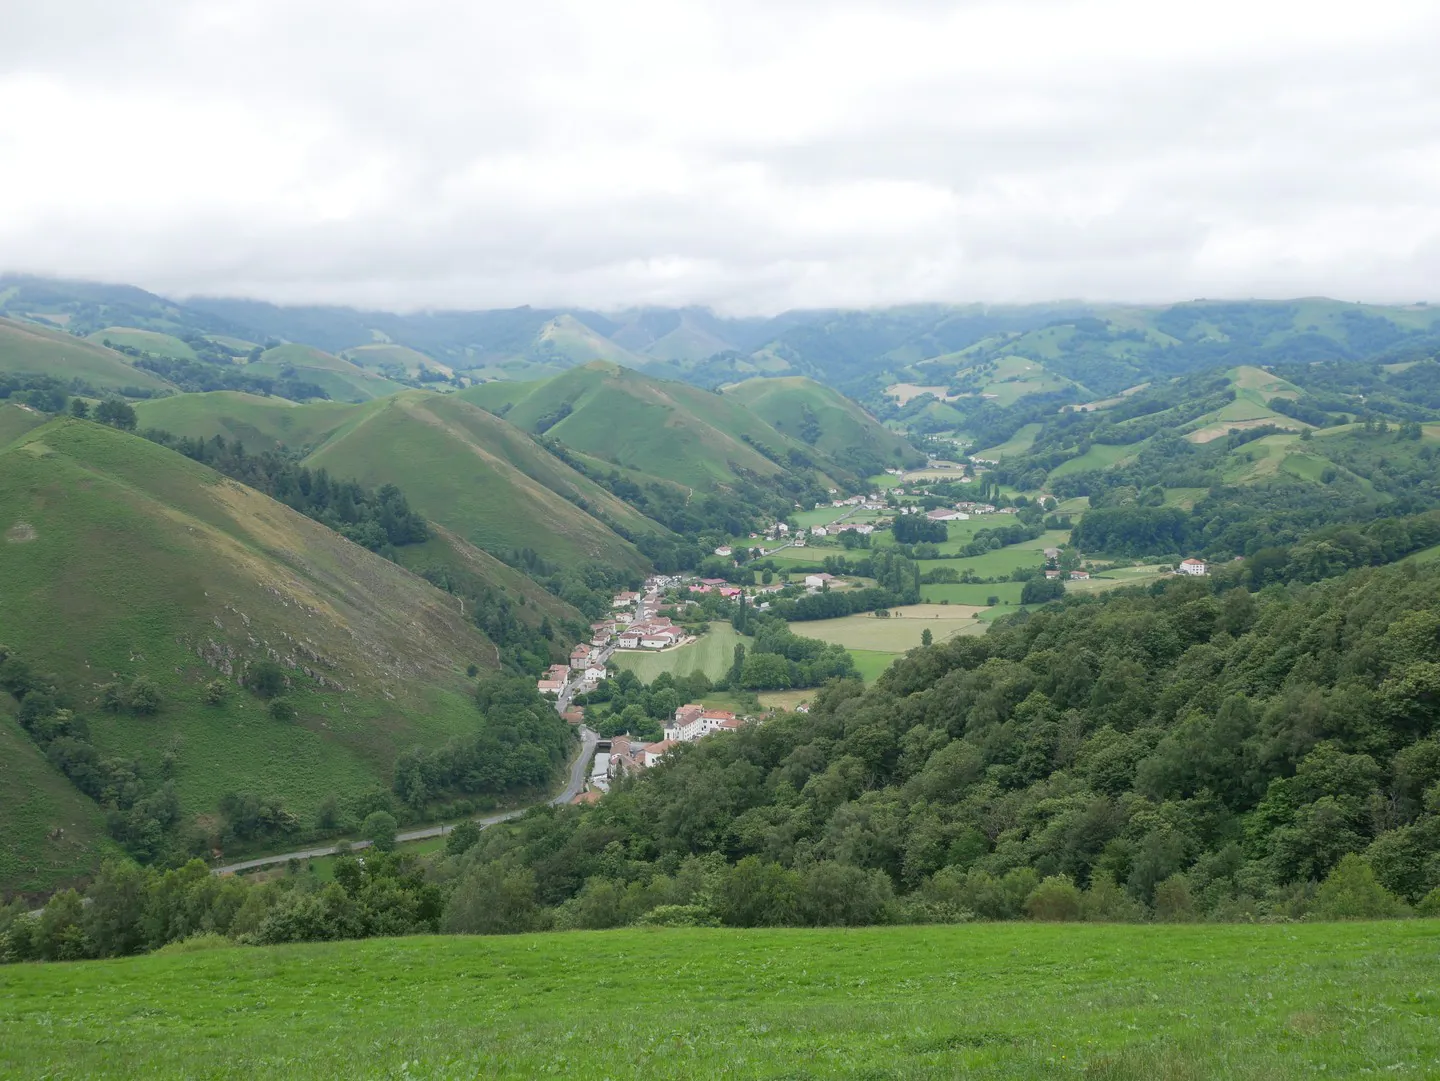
(1056, 899)
(1172, 900)
(266, 678)
(678, 916)
(216, 691)
(1351, 892)
(281, 709)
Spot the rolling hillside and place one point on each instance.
(122, 559)
(53, 833)
(459, 465)
(147, 341)
(670, 430)
(481, 477)
(32, 349)
(342, 379)
(824, 419)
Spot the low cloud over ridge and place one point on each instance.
(753, 156)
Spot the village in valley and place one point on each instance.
(668, 613)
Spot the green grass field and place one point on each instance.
(25, 347)
(990, 1001)
(1001, 562)
(789, 403)
(871, 662)
(147, 341)
(712, 654)
(1018, 444)
(896, 634)
(1099, 456)
(965, 593)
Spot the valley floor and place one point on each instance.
(979, 1000)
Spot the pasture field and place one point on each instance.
(1018, 444)
(1099, 456)
(870, 663)
(896, 634)
(1269, 1002)
(1002, 561)
(808, 519)
(1113, 579)
(147, 341)
(972, 593)
(712, 653)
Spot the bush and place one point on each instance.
(1056, 899)
(678, 916)
(462, 838)
(493, 901)
(281, 709)
(379, 829)
(1429, 905)
(1172, 900)
(1106, 902)
(1351, 892)
(266, 678)
(216, 691)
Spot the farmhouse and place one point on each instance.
(1080, 576)
(1052, 573)
(1196, 567)
(550, 686)
(819, 531)
(724, 550)
(947, 514)
(817, 581)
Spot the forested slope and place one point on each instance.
(1175, 750)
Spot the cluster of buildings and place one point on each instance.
(690, 723)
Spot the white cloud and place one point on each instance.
(753, 155)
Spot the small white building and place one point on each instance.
(724, 550)
(1196, 567)
(816, 581)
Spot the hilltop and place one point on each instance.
(33, 349)
(459, 465)
(123, 561)
(674, 431)
(823, 418)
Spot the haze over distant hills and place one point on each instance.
(1104, 347)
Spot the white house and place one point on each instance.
(628, 640)
(1196, 567)
(819, 531)
(656, 751)
(815, 581)
(595, 673)
(723, 550)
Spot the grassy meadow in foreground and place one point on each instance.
(982, 1000)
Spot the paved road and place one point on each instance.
(579, 771)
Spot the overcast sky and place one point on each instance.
(753, 156)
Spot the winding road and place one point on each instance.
(579, 771)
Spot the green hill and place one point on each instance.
(342, 379)
(483, 478)
(53, 833)
(386, 357)
(147, 341)
(457, 464)
(826, 420)
(669, 430)
(31, 349)
(260, 423)
(123, 559)
(16, 420)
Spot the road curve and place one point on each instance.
(579, 771)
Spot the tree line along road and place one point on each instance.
(579, 772)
